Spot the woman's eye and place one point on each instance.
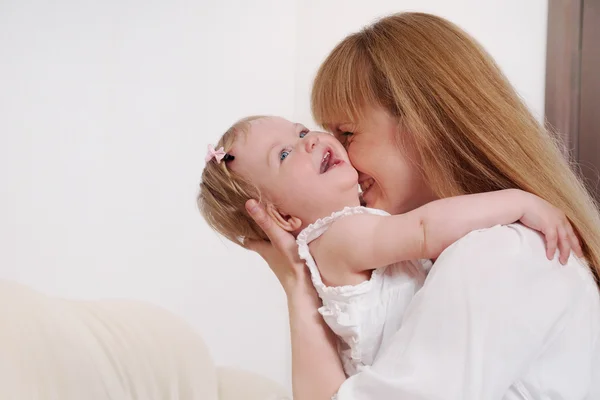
(345, 138)
(303, 133)
(283, 155)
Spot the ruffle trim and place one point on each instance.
(315, 230)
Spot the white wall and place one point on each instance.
(513, 31)
(106, 109)
(105, 112)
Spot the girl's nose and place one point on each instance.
(310, 142)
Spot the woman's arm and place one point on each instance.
(492, 308)
(317, 371)
(370, 241)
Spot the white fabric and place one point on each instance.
(55, 349)
(494, 320)
(364, 316)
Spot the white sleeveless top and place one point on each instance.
(367, 315)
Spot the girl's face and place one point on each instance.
(388, 171)
(305, 174)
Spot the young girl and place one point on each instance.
(365, 264)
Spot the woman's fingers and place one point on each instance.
(281, 253)
(280, 238)
(259, 215)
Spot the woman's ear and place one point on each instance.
(287, 222)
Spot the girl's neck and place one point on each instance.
(326, 211)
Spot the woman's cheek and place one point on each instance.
(351, 149)
(362, 160)
(355, 161)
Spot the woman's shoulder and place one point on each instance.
(503, 271)
(513, 247)
(512, 241)
(502, 240)
(502, 235)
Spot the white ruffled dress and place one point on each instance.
(363, 316)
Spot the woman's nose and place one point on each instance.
(310, 142)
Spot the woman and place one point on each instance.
(425, 113)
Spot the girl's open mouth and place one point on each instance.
(329, 161)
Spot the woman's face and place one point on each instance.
(388, 174)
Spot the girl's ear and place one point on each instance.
(286, 222)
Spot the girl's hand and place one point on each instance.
(281, 253)
(553, 223)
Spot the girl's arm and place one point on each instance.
(367, 241)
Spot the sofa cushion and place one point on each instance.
(236, 384)
(98, 350)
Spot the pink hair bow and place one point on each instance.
(216, 154)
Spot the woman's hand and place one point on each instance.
(281, 253)
(317, 371)
(554, 224)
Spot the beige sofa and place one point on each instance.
(55, 349)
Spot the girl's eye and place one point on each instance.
(347, 134)
(303, 133)
(283, 155)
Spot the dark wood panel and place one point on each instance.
(563, 70)
(589, 121)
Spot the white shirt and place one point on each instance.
(494, 320)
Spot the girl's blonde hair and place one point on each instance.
(471, 131)
(223, 193)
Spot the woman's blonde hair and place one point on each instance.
(223, 193)
(468, 126)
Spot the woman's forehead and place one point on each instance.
(340, 122)
(334, 119)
